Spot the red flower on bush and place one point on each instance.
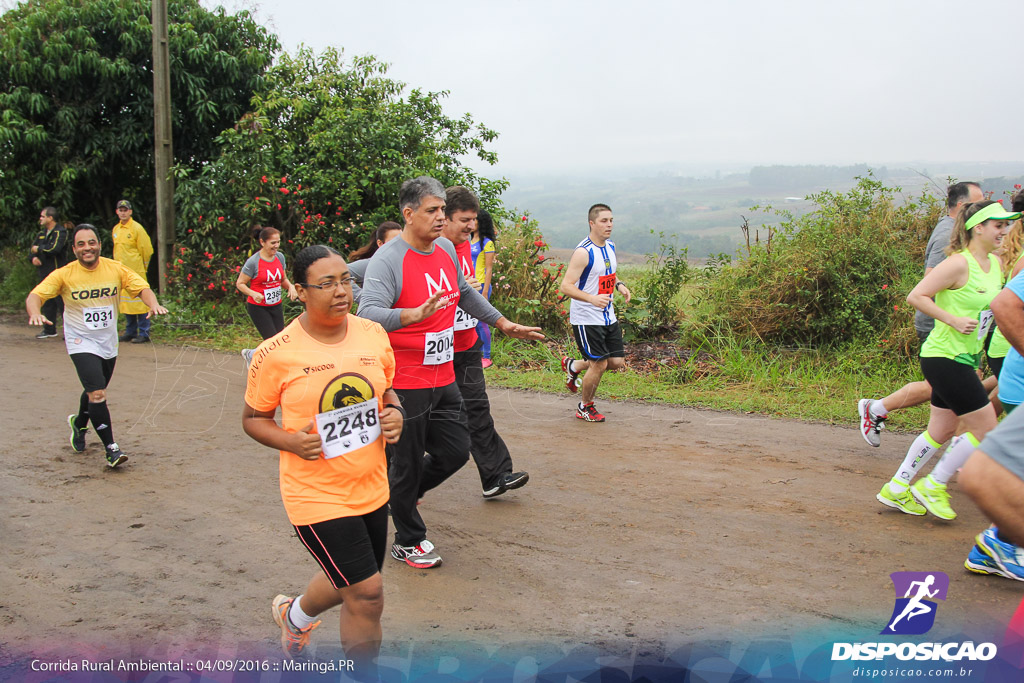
(210, 286)
(546, 273)
(885, 286)
(284, 179)
(179, 260)
(263, 179)
(539, 244)
(220, 219)
(284, 190)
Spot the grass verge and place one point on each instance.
(805, 384)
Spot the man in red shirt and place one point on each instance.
(413, 288)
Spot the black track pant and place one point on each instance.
(433, 446)
(488, 449)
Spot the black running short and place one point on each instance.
(996, 365)
(597, 342)
(93, 372)
(348, 549)
(955, 386)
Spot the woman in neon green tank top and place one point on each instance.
(956, 293)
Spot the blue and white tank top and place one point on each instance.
(598, 277)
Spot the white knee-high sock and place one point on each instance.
(923, 448)
(955, 457)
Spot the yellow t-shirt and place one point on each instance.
(306, 378)
(90, 303)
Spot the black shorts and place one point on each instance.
(955, 386)
(996, 365)
(348, 549)
(93, 372)
(597, 342)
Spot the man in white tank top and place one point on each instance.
(590, 281)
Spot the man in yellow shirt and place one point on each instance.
(133, 248)
(91, 286)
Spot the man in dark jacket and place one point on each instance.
(48, 254)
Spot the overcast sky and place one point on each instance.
(575, 84)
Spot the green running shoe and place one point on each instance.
(904, 502)
(934, 497)
(77, 435)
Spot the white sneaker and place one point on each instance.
(870, 426)
(421, 555)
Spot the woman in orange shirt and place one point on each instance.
(330, 372)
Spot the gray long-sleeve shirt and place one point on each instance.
(934, 254)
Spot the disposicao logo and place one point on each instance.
(914, 614)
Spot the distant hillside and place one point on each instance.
(705, 213)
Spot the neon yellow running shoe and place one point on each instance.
(904, 502)
(934, 497)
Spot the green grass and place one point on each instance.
(805, 384)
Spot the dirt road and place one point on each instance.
(663, 526)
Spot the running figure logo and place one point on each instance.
(914, 613)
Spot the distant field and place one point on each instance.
(623, 257)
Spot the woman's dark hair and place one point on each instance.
(84, 226)
(262, 233)
(378, 235)
(1017, 203)
(307, 257)
(485, 226)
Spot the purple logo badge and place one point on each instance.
(916, 592)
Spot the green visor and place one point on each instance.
(992, 212)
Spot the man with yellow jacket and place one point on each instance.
(133, 248)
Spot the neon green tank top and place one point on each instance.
(970, 301)
(999, 346)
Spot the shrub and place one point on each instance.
(837, 274)
(654, 309)
(17, 278)
(525, 283)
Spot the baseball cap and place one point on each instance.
(124, 204)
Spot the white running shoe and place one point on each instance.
(870, 426)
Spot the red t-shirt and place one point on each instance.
(465, 324)
(424, 351)
(268, 279)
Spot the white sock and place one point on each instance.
(572, 366)
(954, 457)
(923, 448)
(299, 619)
(877, 408)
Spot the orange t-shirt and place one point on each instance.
(306, 378)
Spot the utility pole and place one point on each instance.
(164, 149)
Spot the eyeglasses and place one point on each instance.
(329, 285)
